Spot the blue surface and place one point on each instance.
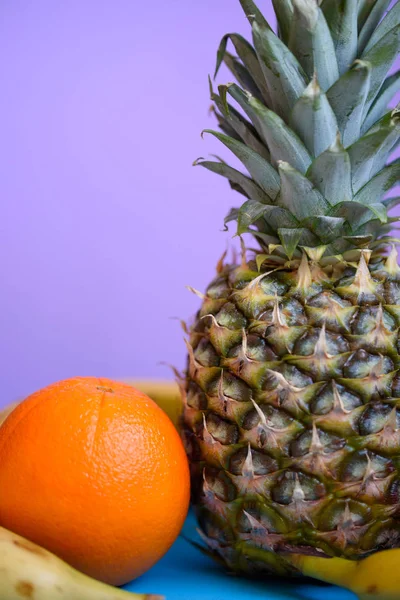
(186, 574)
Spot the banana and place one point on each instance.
(164, 393)
(29, 571)
(372, 578)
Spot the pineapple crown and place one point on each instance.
(312, 126)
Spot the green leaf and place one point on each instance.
(253, 13)
(260, 169)
(382, 182)
(284, 14)
(314, 120)
(242, 75)
(252, 190)
(249, 58)
(242, 98)
(391, 19)
(379, 211)
(282, 142)
(380, 106)
(390, 203)
(298, 194)
(356, 214)
(347, 98)
(369, 154)
(381, 56)
(244, 130)
(341, 15)
(279, 138)
(278, 217)
(364, 9)
(371, 23)
(290, 239)
(231, 216)
(360, 241)
(251, 211)
(286, 79)
(326, 228)
(311, 42)
(248, 213)
(331, 174)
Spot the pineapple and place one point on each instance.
(291, 415)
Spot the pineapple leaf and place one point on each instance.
(391, 19)
(347, 98)
(252, 190)
(290, 239)
(326, 228)
(249, 59)
(282, 142)
(356, 214)
(242, 75)
(248, 213)
(251, 211)
(381, 56)
(243, 99)
(331, 174)
(391, 202)
(373, 191)
(231, 216)
(341, 15)
(284, 14)
(371, 23)
(285, 77)
(239, 124)
(253, 13)
(364, 9)
(313, 120)
(380, 106)
(298, 194)
(369, 154)
(260, 169)
(311, 42)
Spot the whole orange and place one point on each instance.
(94, 471)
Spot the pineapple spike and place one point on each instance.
(321, 347)
(260, 413)
(316, 445)
(363, 280)
(391, 264)
(207, 437)
(337, 399)
(213, 319)
(193, 364)
(248, 468)
(243, 252)
(298, 493)
(220, 263)
(304, 278)
(195, 292)
(276, 314)
(391, 423)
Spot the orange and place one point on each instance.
(94, 471)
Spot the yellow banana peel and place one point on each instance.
(30, 571)
(165, 393)
(376, 577)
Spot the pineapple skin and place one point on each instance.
(291, 415)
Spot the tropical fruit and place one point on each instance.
(95, 472)
(292, 391)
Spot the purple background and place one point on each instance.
(103, 220)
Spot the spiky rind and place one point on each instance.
(292, 412)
